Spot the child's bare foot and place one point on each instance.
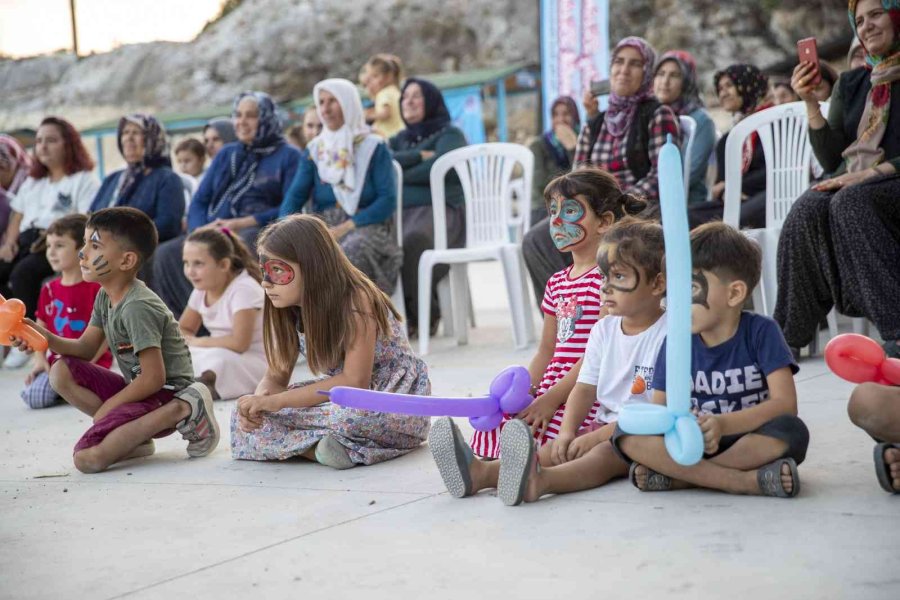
(209, 378)
(887, 467)
(779, 478)
(648, 480)
(145, 449)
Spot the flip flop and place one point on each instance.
(452, 456)
(769, 479)
(656, 482)
(882, 470)
(516, 458)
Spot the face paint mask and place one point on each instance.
(565, 218)
(699, 289)
(606, 268)
(274, 271)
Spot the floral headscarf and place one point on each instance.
(243, 162)
(689, 100)
(749, 82)
(866, 151)
(156, 152)
(342, 156)
(621, 112)
(13, 157)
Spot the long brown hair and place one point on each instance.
(333, 291)
(221, 244)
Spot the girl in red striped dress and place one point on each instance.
(583, 205)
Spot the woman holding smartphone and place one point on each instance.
(840, 244)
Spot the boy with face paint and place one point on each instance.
(742, 384)
(617, 369)
(156, 393)
(583, 205)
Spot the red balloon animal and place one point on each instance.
(859, 359)
(12, 312)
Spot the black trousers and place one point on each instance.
(22, 278)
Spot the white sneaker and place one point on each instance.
(16, 359)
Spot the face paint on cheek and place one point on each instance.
(700, 289)
(276, 272)
(565, 222)
(101, 266)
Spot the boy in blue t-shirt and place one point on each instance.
(742, 384)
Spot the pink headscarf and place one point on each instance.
(13, 156)
(622, 110)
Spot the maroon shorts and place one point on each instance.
(107, 384)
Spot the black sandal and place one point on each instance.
(882, 469)
(769, 479)
(656, 482)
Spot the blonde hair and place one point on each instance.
(387, 64)
(332, 293)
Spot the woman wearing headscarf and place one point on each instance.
(148, 182)
(216, 133)
(60, 183)
(840, 243)
(241, 191)
(429, 135)
(624, 140)
(554, 151)
(742, 91)
(349, 173)
(675, 84)
(15, 163)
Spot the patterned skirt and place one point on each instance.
(372, 249)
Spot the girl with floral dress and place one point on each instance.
(318, 303)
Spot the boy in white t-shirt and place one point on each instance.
(617, 370)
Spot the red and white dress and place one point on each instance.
(576, 305)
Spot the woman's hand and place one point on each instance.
(339, 231)
(426, 154)
(566, 136)
(591, 103)
(802, 82)
(8, 250)
(235, 224)
(718, 190)
(836, 183)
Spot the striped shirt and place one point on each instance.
(575, 303)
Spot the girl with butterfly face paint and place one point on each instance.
(349, 332)
(583, 205)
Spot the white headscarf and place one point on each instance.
(342, 156)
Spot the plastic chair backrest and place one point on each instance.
(688, 129)
(783, 133)
(398, 173)
(485, 172)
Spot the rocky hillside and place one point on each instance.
(284, 46)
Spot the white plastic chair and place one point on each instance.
(485, 171)
(397, 296)
(688, 131)
(783, 133)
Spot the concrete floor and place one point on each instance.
(165, 526)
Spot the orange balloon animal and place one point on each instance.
(12, 312)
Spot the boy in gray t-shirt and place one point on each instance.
(129, 410)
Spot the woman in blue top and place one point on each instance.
(675, 84)
(348, 175)
(241, 190)
(148, 183)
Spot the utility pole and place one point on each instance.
(74, 28)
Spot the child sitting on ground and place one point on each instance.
(64, 306)
(617, 369)
(227, 300)
(383, 74)
(350, 331)
(742, 384)
(128, 410)
(583, 205)
(875, 409)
